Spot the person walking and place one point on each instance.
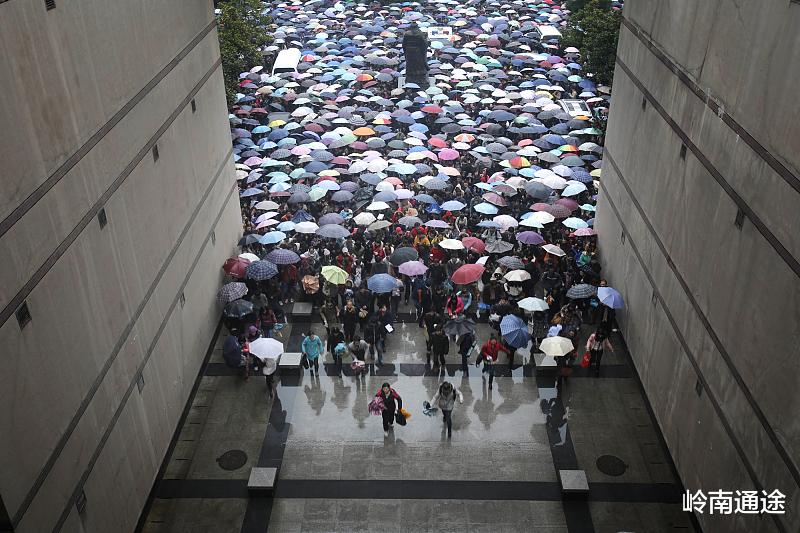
(440, 344)
(349, 320)
(445, 399)
(312, 348)
(594, 345)
(489, 353)
(269, 368)
(335, 338)
(392, 404)
(465, 343)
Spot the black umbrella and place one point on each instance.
(403, 255)
(460, 325)
(238, 309)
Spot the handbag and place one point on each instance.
(304, 361)
(399, 418)
(587, 358)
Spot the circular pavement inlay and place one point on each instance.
(611, 465)
(232, 460)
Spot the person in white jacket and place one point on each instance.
(445, 399)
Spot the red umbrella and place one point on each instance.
(540, 206)
(474, 243)
(235, 266)
(569, 203)
(436, 142)
(432, 109)
(468, 274)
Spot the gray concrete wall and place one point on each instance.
(106, 302)
(706, 300)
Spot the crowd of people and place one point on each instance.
(470, 199)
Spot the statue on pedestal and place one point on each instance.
(415, 49)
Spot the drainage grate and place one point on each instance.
(611, 465)
(232, 460)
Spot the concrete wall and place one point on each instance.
(87, 89)
(710, 306)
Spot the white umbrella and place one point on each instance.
(250, 257)
(364, 219)
(556, 346)
(265, 348)
(377, 206)
(542, 217)
(533, 304)
(553, 249)
(517, 275)
(452, 244)
(306, 227)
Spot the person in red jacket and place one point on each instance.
(392, 404)
(489, 352)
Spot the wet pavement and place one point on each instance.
(498, 472)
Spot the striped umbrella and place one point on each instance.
(581, 290)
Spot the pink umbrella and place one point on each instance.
(448, 154)
(413, 268)
(584, 232)
(569, 203)
(496, 199)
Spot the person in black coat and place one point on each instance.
(440, 345)
(392, 403)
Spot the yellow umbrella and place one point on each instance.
(364, 132)
(595, 173)
(277, 123)
(335, 275)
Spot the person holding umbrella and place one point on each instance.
(312, 347)
(489, 354)
(445, 399)
(594, 345)
(392, 403)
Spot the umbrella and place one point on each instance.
(250, 257)
(574, 223)
(556, 346)
(474, 243)
(460, 325)
(231, 291)
(514, 331)
(236, 266)
(554, 250)
(498, 247)
(306, 227)
(452, 205)
(511, 262)
(451, 244)
(364, 219)
(381, 283)
(335, 275)
(410, 221)
(332, 231)
(403, 255)
(232, 352)
(330, 218)
(261, 270)
(467, 274)
(517, 275)
(610, 297)
(581, 290)
(529, 237)
(282, 256)
(265, 348)
(533, 304)
(238, 309)
(413, 268)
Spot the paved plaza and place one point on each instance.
(498, 472)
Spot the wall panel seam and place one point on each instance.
(782, 170)
(62, 249)
(762, 418)
(37, 194)
(112, 424)
(762, 228)
(689, 354)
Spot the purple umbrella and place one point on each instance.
(413, 268)
(529, 237)
(282, 256)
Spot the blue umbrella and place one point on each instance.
(251, 192)
(425, 198)
(286, 226)
(381, 283)
(486, 208)
(610, 297)
(261, 270)
(514, 331)
(273, 237)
